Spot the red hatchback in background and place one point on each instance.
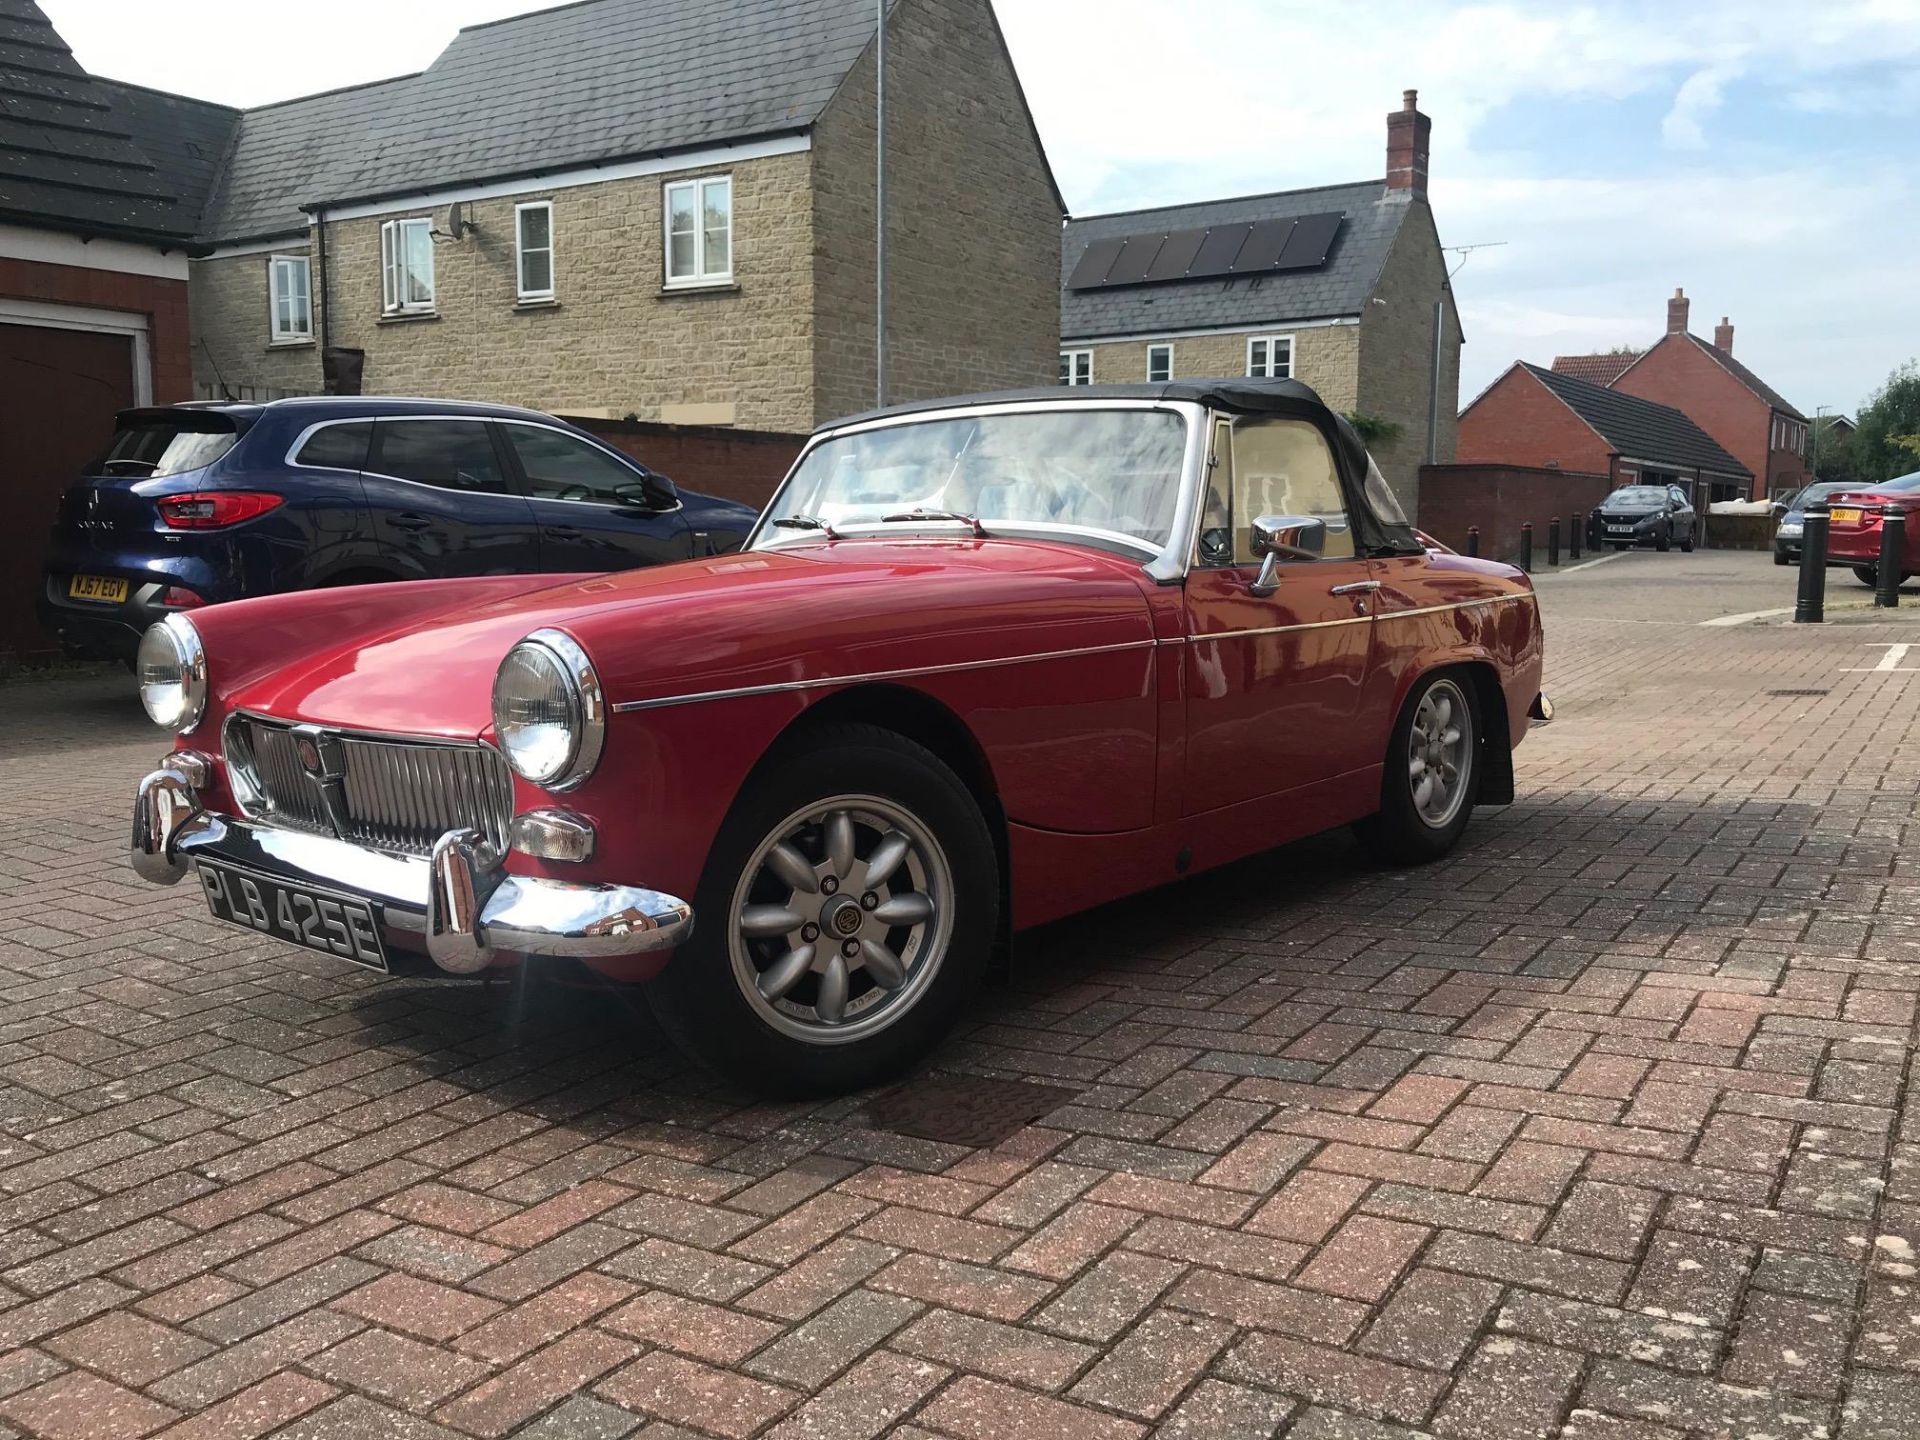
(1853, 527)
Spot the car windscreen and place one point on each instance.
(1820, 492)
(153, 446)
(1111, 475)
(1900, 485)
(1636, 495)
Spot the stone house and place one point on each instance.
(1751, 419)
(1341, 286)
(652, 208)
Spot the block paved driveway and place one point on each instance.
(1601, 1129)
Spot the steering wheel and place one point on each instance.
(574, 492)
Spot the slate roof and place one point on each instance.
(1747, 378)
(1640, 429)
(1596, 369)
(597, 80)
(186, 139)
(73, 155)
(1339, 288)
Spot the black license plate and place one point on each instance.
(335, 925)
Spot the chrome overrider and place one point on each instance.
(459, 903)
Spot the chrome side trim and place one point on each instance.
(1353, 620)
(827, 682)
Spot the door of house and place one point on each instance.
(59, 391)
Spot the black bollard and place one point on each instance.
(1578, 524)
(1810, 605)
(1893, 556)
(1473, 540)
(1553, 541)
(1526, 546)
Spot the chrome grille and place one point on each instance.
(398, 795)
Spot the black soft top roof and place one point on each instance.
(1379, 532)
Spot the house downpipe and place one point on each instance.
(1433, 392)
(320, 255)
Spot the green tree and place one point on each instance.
(1374, 429)
(1888, 440)
(1831, 452)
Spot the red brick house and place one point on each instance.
(1750, 419)
(101, 187)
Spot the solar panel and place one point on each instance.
(1134, 262)
(1307, 247)
(1218, 251)
(1177, 255)
(1091, 272)
(1263, 246)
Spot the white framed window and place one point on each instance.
(290, 304)
(533, 249)
(1076, 367)
(1270, 357)
(406, 266)
(1159, 364)
(699, 228)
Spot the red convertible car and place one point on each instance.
(982, 664)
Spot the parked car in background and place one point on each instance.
(1854, 521)
(194, 505)
(983, 664)
(1656, 515)
(1792, 515)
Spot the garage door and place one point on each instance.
(59, 390)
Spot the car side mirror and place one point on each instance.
(651, 492)
(1278, 539)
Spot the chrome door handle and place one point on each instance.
(1358, 587)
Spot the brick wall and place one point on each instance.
(1499, 499)
(1675, 372)
(613, 341)
(1324, 356)
(1396, 355)
(162, 301)
(1518, 421)
(743, 465)
(973, 251)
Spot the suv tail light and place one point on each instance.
(215, 509)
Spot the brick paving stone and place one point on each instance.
(1374, 1388)
(1102, 1302)
(354, 1417)
(1790, 1344)
(1432, 1319)
(1509, 1390)
(530, 1324)
(1881, 1407)
(810, 1354)
(865, 1401)
(584, 1418)
(79, 1406)
(689, 1393)
(1633, 1390)
(516, 1395)
(420, 1308)
(975, 1409)
(691, 1327)
(1691, 1278)
(1362, 1259)
(1260, 1305)
(391, 1367)
(1216, 1410)
(987, 1347)
(1610, 1220)
(129, 1349)
(836, 1268)
(1579, 1277)
(1309, 1206)
(1072, 1238)
(1606, 1330)
(1148, 1370)
(256, 1410)
(1235, 1251)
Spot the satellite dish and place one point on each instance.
(454, 221)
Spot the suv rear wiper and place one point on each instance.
(807, 522)
(979, 532)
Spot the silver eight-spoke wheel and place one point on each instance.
(840, 919)
(1438, 753)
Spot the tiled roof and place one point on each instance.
(186, 139)
(1339, 288)
(598, 80)
(1596, 369)
(1747, 378)
(73, 155)
(1639, 428)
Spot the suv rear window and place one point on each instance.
(337, 447)
(167, 445)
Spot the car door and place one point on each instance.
(1684, 519)
(1274, 681)
(441, 501)
(597, 510)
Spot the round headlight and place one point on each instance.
(172, 671)
(548, 711)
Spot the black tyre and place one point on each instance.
(1780, 557)
(847, 911)
(1663, 542)
(1867, 575)
(1431, 778)
(1686, 545)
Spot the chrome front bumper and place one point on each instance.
(459, 905)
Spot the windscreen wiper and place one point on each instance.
(979, 533)
(807, 522)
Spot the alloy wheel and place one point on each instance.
(1440, 754)
(841, 919)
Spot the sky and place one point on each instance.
(1757, 153)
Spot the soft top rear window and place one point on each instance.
(171, 443)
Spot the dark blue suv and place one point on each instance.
(195, 504)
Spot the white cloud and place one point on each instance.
(1698, 97)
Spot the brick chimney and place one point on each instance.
(1407, 143)
(1677, 312)
(1723, 336)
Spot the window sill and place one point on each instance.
(408, 317)
(306, 344)
(548, 303)
(700, 287)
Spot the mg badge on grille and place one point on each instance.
(321, 756)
